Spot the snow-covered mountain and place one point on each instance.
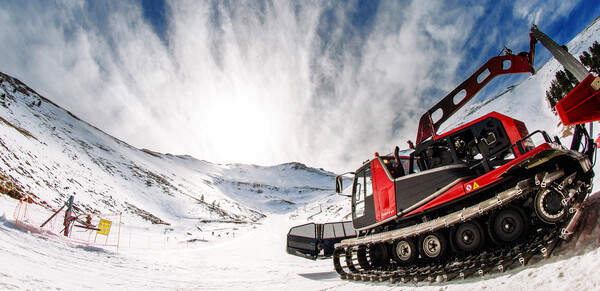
(51, 154)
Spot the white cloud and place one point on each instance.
(251, 82)
(543, 11)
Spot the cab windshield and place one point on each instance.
(404, 168)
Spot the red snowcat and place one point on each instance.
(484, 196)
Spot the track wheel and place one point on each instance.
(468, 237)
(508, 225)
(432, 246)
(379, 255)
(404, 251)
(548, 205)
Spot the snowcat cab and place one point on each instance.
(383, 192)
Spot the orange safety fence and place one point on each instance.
(104, 230)
(86, 228)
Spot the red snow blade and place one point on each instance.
(582, 104)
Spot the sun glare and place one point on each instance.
(241, 129)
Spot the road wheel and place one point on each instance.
(404, 251)
(432, 246)
(468, 237)
(508, 225)
(378, 254)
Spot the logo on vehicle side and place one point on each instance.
(388, 213)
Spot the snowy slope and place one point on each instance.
(51, 154)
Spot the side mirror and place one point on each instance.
(338, 185)
(339, 188)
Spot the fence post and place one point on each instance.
(19, 212)
(119, 235)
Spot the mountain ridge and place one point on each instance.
(51, 154)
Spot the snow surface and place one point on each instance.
(253, 260)
(247, 210)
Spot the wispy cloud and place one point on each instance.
(324, 83)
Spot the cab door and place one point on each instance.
(363, 205)
(384, 192)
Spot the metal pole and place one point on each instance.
(563, 57)
(68, 220)
(53, 215)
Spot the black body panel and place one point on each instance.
(315, 240)
(415, 188)
(369, 214)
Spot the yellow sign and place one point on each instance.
(475, 186)
(104, 226)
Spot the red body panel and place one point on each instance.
(582, 104)
(384, 192)
(448, 105)
(467, 187)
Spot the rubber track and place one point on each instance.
(542, 241)
(478, 265)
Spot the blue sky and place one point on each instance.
(326, 83)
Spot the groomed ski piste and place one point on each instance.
(254, 259)
(219, 226)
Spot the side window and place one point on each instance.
(368, 182)
(358, 197)
(415, 166)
